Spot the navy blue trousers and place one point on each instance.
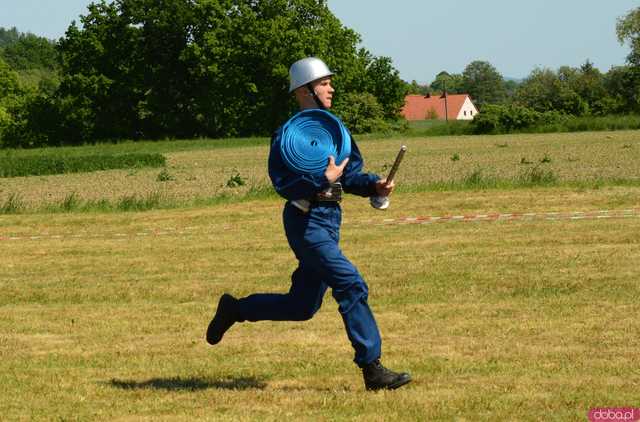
(314, 238)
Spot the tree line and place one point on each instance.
(155, 69)
(581, 91)
(574, 91)
(148, 69)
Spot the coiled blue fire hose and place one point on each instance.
(310, 137)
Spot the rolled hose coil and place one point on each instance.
(310, 137)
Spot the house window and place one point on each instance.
(465, 112)
(470, 112)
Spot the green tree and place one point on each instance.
(123, 69)
(34, 59)
(244, 50)
(545, 90)
(483, 83)
(9, 85)
(29, 51)
(384, 83)
(511, 86)
(10, 93)
(361, 113)
(417, 89)
(184, 68)
(622, 94)
(628, 30)
(452, 83)
(8, 36)
(589, 85)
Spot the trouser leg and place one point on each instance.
(351, 292)
(301, 302)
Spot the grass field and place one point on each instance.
(102, 314)
(201, 171)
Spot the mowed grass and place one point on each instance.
(102, 316)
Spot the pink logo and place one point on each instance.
(614, 414)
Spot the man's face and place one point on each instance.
(324, 91)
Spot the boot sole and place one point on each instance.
(399, 383)
(392, 386)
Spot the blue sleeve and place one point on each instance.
(353, 180)
(288, 184)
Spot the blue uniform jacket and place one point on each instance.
(293, 186)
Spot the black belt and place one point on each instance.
(332, 194)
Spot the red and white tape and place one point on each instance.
(574, 215)
(447, 218)
(118, 236)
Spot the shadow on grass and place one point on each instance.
(190, 384)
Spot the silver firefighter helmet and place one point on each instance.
(307, 70)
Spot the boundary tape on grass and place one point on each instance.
(448, 218)
(574, 215)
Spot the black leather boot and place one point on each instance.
(377, 377)
(226, 315)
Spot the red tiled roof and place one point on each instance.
(418, 107)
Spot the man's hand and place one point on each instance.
(383, 188)
(333, 171)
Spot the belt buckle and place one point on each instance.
(331, 194)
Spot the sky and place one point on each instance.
(425, 37)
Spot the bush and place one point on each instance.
(590, 123)
(43, 165)
(630, 122)
(486, 122)
(165, 176)
(425, 128)
(512, 118)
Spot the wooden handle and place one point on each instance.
(396, 163)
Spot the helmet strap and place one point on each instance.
(315, 97)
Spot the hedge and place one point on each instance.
(47, 165)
